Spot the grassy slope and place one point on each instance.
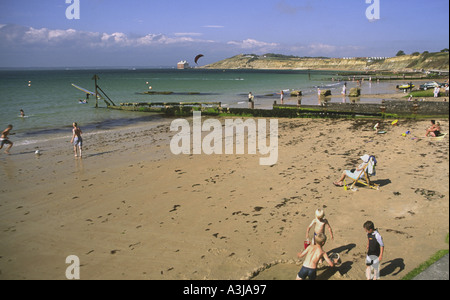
(427, 61)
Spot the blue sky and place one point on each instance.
(160, 33)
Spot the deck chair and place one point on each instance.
(364, 176)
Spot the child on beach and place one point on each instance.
(4, 139)
(319, 224)
(313, 254)
(375, 249)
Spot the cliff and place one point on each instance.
(405, 63)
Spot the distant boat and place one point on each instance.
(183, 65)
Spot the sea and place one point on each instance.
(51, 103)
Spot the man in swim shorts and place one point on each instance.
(76, 139)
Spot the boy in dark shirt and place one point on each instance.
(375, 249)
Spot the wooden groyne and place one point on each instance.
(395, 108)
(327, 109)
(385, 109)
(171, 108)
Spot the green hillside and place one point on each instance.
(405, 63)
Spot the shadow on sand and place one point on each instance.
(342, 268)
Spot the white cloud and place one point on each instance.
(43, 46)
(252, 44)
(15, 35)
(28, 37)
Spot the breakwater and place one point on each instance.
(385, 109)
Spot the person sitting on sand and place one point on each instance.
(434, 130)
(377, 127)
(313, 254)
(4, 139)
(355, 173)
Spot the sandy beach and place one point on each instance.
(130, 209)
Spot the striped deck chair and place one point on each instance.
(363, 177)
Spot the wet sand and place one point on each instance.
(130, 209)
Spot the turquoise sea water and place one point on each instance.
(51, 103)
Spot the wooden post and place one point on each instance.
(415, 108)
(96, 89)
(383, 108)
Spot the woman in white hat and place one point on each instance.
(354, 173)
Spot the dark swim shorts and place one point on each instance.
(307, 272)
(5, 141)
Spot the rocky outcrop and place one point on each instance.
(325, 93)
(355, 92)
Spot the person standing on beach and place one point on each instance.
(375, 249)
(319, 224)
(282, 97)
(436, 91)
(314, 254)
(344, 89)
(251, 102)
(77, 141)
(4, 138)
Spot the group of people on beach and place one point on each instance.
(76, 140)
(315, 255)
